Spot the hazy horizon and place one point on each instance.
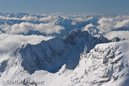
(64, 6)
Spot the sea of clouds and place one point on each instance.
(13, 29)
(110, 27)
(25, 27)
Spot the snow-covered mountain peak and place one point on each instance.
(77, 35)
(52, 54)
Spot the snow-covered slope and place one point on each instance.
(105, 65)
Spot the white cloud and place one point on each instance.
(8, 18)
(9, 43)
(48, 18)
(29, 18)
(120, 34)
(124, 23)
(24, 27)
(88, 27)
(108, 24)
(79, 19)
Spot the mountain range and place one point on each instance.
(64, 50)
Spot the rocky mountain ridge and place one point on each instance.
(52, 54)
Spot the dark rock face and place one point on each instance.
(36, 56)
(3, 65)
(103, 39)
(71, 37)
(116, 39)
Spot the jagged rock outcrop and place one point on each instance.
(52, 54)
(103, 39)
(106, 64)
(116, 39)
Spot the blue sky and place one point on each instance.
(64, 6)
